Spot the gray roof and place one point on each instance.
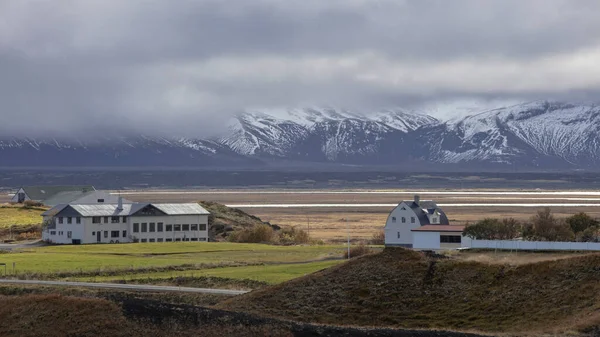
(43, 193)
(181, 209)
(424, 207)
(88, 210)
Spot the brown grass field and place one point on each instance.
(332, 223)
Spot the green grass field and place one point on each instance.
(163, 260)
(272, 274)
(19, 216)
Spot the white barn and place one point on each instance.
(120, 222)
(409, 215)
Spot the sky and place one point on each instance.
(183, 67)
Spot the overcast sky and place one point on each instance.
(185, 65)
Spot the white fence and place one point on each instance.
(528, 245)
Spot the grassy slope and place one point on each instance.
(19, 216)
(271, 274)
(223, 219)
(54, 315)
(128, 257)
(401, 288)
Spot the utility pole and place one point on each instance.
(348, 229)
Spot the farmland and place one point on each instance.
(265, 263)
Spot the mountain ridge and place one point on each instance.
(538, 134)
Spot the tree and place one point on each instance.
(545, 227)
(590, 234)
(493, 229)
(581, 221)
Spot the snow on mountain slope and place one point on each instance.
(536, 129)
(277, 132)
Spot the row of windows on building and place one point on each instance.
(69, 220)
(403, 219)
(450, 239)
(160, 227)
(113, 234)
(169, 240)
(61, 233)
(113, 219)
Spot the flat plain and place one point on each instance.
(334, 223)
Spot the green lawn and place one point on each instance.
(11, 215)
(143, 255)
(266, 273)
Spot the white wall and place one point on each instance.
(528, 245)
(392, 229)
(87, 231)
(171, 220)
(15, 197)
(426, 240)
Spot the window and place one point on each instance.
(434, 220)
(185, 227)
(144, 240)
(194, 239)
(60, 232)
(194, 227)
(124, 219)
(93, 233)
(105, 219)
(398, 235)
(393, 219)
(450, 238)
(144, 227)
(69, 234)
(69, 220)
(77, 220)
(52, 232)
(202, 226)
(124, 234)
(169, 228)
(100, 200)
(152, 240)
(114, 234)
(168, 240)
(177, 228)
(60, 219)
(152, 227)
(114, 219)
(178, 239)
(106, 234)
(159, 227)
(412, 219)
(159, 240)
(95, 219)
(202, 239)
(403, 220)
(186, 239)
(136, 227)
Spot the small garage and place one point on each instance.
(437, 237)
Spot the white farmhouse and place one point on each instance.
(120, 222)
(409, 215)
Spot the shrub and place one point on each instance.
(580, 222)
(258, 234)
(32, 203)
(357, 251)
(378, 238)
(493, 229)
(288, 236)
(545, 227)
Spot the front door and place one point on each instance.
(98, 236)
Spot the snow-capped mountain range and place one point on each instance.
(538, 134)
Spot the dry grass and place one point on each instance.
(511, 258)
(17, 215)
(402, 288)
(55, 315)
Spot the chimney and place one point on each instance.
(120, 204)
(417, 199)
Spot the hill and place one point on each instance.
(223, 220)
(402, 288)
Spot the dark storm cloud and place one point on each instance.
(181, 67)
